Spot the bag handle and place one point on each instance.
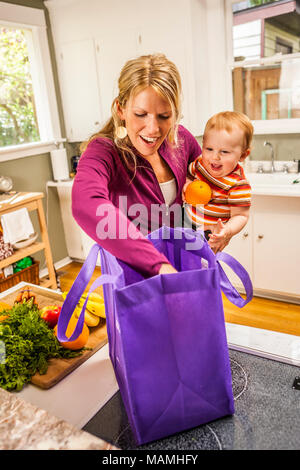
(76, 292)
(228, 289)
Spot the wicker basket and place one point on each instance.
(30, 274)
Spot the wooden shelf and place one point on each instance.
(45, 283)
(32, 201)
(22, 253)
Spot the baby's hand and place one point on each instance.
(220, 237)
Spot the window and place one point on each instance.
(283, 47)
(29, 121)
(266, 67)
(18, 120)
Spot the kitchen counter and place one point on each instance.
(262, 184)
(84, 410)
(59, 413)
(266, 414)
(23, 426)
(275, 184)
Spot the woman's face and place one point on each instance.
(148, 120)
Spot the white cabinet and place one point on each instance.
(77, 241)
(89, 72)
(276, 248)
(80, 89)
(240, 247)
(268, 247)
(92, 44)
(110, 57)
(174, 44)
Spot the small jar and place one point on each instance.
(74, 163)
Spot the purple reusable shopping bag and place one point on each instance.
(167, 338)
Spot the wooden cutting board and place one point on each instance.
(59, 368)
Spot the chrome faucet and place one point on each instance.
(272, 156)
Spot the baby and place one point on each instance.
(226, 142)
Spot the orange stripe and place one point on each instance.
(218, 210)
(239, 196)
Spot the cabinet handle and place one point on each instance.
(260, 236)
(245, 235)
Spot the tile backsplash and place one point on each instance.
(252, 166)
(286, 147)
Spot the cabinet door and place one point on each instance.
(87, 243)
(172, 43)
(111, 57)
(77, 241)
(71, 229)
(240, 247)
(80, 89)
(276, 228)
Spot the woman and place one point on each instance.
(139, 157)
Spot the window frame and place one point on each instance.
(33, 19)
(268, 126)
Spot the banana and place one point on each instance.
(64, 295)
(96, 308)
(94, 296)
(95, 304)
(89, 318)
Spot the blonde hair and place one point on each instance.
(227, 120)
(137, 74)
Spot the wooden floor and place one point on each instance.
(260, 313)
(267, 314)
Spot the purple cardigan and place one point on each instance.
(102, 178)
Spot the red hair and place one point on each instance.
(227, 120)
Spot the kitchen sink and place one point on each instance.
(274, 179)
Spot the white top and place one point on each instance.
(169, 190)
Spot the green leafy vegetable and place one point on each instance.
(28, 345)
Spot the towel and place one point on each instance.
(16, 226)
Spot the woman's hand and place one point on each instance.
(167, 269)
(187, 182)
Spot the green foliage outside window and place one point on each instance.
(18, 121)
(245, 4)
(260, 2)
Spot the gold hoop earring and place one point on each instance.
(121, 132)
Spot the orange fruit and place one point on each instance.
(197, 192)
(82, 339)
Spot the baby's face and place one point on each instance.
(222, 151)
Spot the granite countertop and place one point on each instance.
(26, 427)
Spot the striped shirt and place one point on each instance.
(229, 191)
